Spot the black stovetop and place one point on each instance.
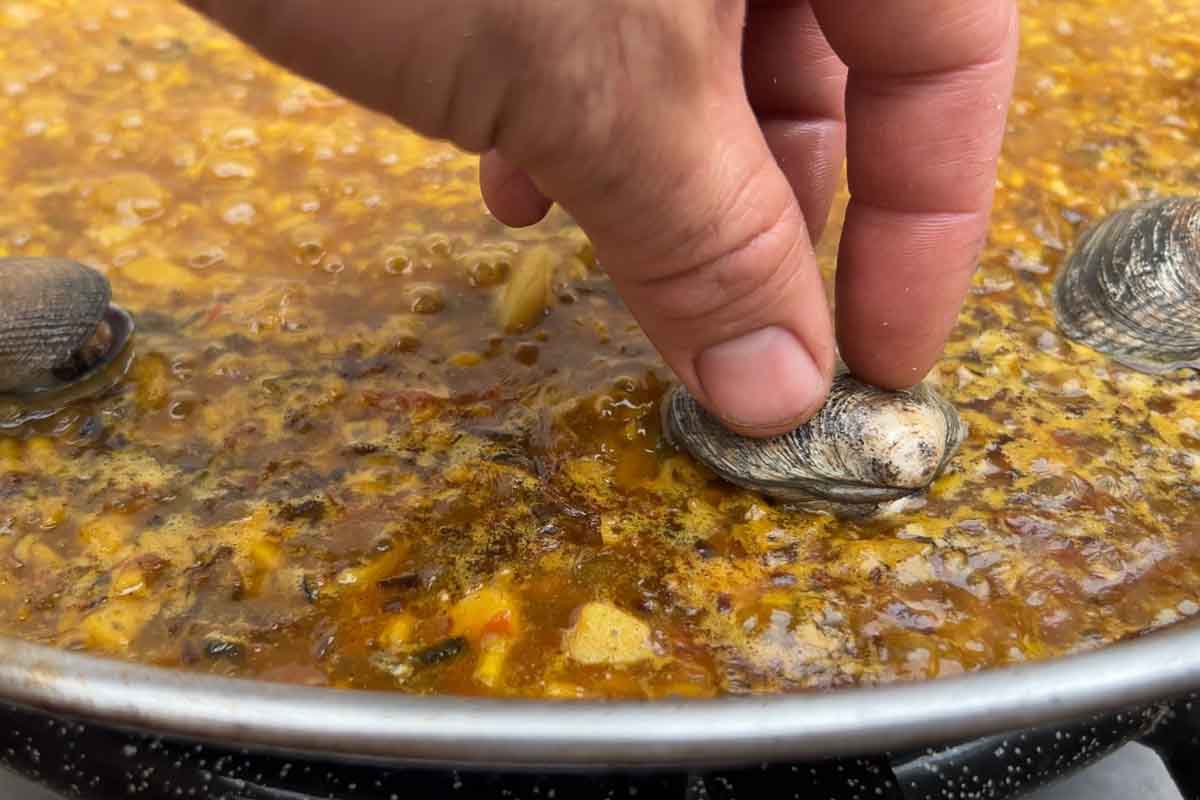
(99, 763)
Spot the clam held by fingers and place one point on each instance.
(58, 327)
(864, 448)
(1131, 288)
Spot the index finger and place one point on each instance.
(928, 93)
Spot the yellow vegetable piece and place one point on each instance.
(53, 513)
(31, 551)
(398, 631)
(489, 610)
(527, 293)
(151, 377)
(605, 634)
(10, 454)
(490, 667)
(22, 551)
(466, 359)
(160, 274)
(128, 580)
(611, 531)
(114, 625)
(110, 235)
(267, 555)
(131, 195)
(372, 571)
(561, 690)
(104, 535)
(41, 455)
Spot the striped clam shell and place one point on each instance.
(50, 308)
(1131, 287)
(865, 447)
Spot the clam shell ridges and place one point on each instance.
(864, 447)
(48, 309)
(1131, 289)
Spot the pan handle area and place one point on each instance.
(1176, 739)
(1010, 765)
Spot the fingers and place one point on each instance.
(810, 153)
(929, 87)
(713, 258)
(634, 117)
(510, 193)
(740, 313)
(425, 67)
(359, 48)
(797, 84)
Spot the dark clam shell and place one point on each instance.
(864, 448)
(1131, 288)
(57, 327)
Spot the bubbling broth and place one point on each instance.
(370, 438)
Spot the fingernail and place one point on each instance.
(763, 382)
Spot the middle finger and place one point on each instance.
(796, 85)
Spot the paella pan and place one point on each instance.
(367, 471)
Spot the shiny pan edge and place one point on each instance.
(490, 733)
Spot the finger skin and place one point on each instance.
(651, 144)
(810, 154)
(796, 85)
(928, 92)
(410, 60)
(740, 262)
(510, 193)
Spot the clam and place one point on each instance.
(864, 448)
(58, 328)
(1131, 288)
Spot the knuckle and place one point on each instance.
(594, 108)
(590, 66)
(739, 283)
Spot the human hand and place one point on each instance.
(699, 143)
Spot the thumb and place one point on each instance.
(701, 233)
